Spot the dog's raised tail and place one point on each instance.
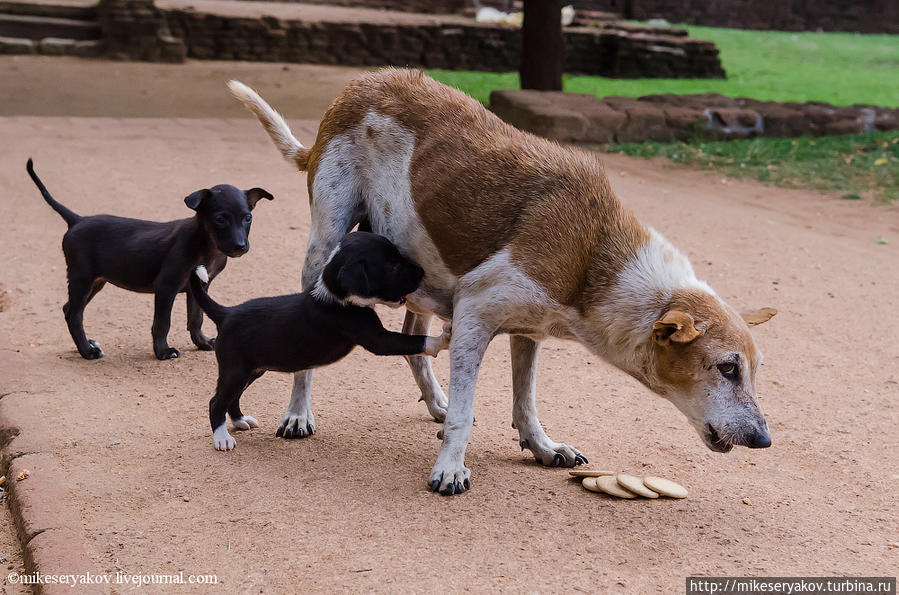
(69, 215)
(273, 123)
(214, 310)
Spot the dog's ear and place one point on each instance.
(254, 194)
(676, 326)
(353, 279)
(757, 317)
(194, 199)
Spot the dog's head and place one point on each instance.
(368, 269)
(225, 213)
(703, 359)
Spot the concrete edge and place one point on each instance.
(48, 524)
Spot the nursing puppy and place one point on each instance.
(302, 331)
(516, 235)
(152, 257)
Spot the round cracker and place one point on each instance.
(590, 484)
(665, 487)
(589, 472)
(609, 485)
(634, 484)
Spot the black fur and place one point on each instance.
(295, 332)
(152, 257)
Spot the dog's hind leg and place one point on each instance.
(298, 421)
(524, 409)
(336, 208)
(81, 292)
(238, 419)
(431, 392)
(231, 384)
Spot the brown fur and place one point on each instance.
(551, 204)
(722, 331)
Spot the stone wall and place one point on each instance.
(607, 52)
(581, 118)
(865, 16)
(137, 30)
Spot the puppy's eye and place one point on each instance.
(221, 220)
(249, 217)
(729, 370)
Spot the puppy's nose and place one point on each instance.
(241, 245)
(759, 439)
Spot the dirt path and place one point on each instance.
(52, 86)
(348, 509)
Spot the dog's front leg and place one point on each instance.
(431, 393)
(162, 321)
(524, 409)
(195, 324)
(450, 475)
(298, 421)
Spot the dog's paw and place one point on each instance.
(204, 343)
(437, 406)
(553, 454)
(222, 439)
(245, 423)
(93, 350)
(449, 479)
(295, 425)
(167, 353)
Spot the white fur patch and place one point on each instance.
(202, 273)
(643, 286)
(273, 122)
(222, 439)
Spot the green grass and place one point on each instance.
(839, 68)
(854, 166)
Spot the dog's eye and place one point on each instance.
(249, 217)
(221, 220)
(729, 370)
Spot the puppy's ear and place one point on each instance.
(675, 326)
(254, 194)
(353, 279)
(194, 199)
(756, 317)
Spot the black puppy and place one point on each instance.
(152, 257)
(296, 332)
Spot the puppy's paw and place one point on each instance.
(296, 425)
(204, 343)
(222, 439)
(167, 353)
(245, 423)
(93, 350)
(434, 345)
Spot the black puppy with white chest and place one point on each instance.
(152, 257)
(296, 332)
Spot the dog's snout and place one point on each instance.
(759, 439)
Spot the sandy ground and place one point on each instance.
(63, 86)
(348, 509)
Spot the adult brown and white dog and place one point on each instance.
(517, 235)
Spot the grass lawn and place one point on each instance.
(839, 68)
(856, 166)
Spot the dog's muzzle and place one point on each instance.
(752, 438)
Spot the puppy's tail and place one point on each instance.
(273, 123)
(214, 310)
(70, 216)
